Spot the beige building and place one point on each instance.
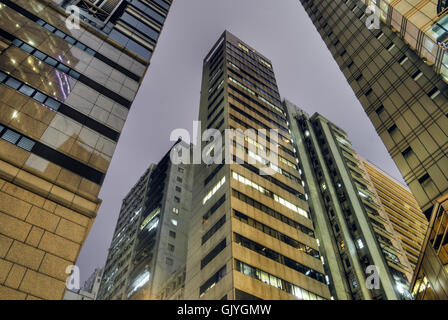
(251, 236)
(64, 98)
(408, 221)
(431, 276)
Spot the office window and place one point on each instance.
(179, 179)
(174, 222)
(175, 210)
(171, 248)
(172, 234)
(407, 152)
(178, 189)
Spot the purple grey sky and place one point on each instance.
(306, 74)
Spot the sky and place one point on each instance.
(169, 96)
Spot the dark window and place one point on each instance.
(213, 280)
(407, 152)
(213, 254)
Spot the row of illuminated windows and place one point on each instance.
(273, 106)
(57, 106)
(260, 134)
(276, 282)
(247, 74)
(67, 70)
(273, 166)
(280, 118)
(238, 64)
(276, 234)
(273, 213)
(270, 178)
(275, 256)
(213, 209)
(70, 39)
(247, 58)
(252, 84)
(215, 189)
(254, 110)
(270, 194)
(261, 124)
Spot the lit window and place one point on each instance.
(360, 243)
(214, 190)
(174, 222)
(175, 210)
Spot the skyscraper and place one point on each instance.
(355, 233)
(399, 73)
(121, 252)
(402, 210)
(65, 95)
(149, 246)
(251, 235)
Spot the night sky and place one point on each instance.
(306, 74)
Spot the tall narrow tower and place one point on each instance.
(251, 235)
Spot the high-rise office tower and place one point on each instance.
(399, 204)
(398, 70)
(251, 235)
(149, 247)
(121, 252)
(65, 95)
(351, 224)
(161, 248)
(430, 280)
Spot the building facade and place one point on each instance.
(121, 252)
(398, 72)
(430, 280)
(161, 249)
(402, 210)
(65, 95)
(351, 224)
(150, 242)
(251, 235)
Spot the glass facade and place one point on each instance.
(397, 73)
(65, 95)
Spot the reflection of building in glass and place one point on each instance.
(65, 95)
(351, 222)
(431, 277)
